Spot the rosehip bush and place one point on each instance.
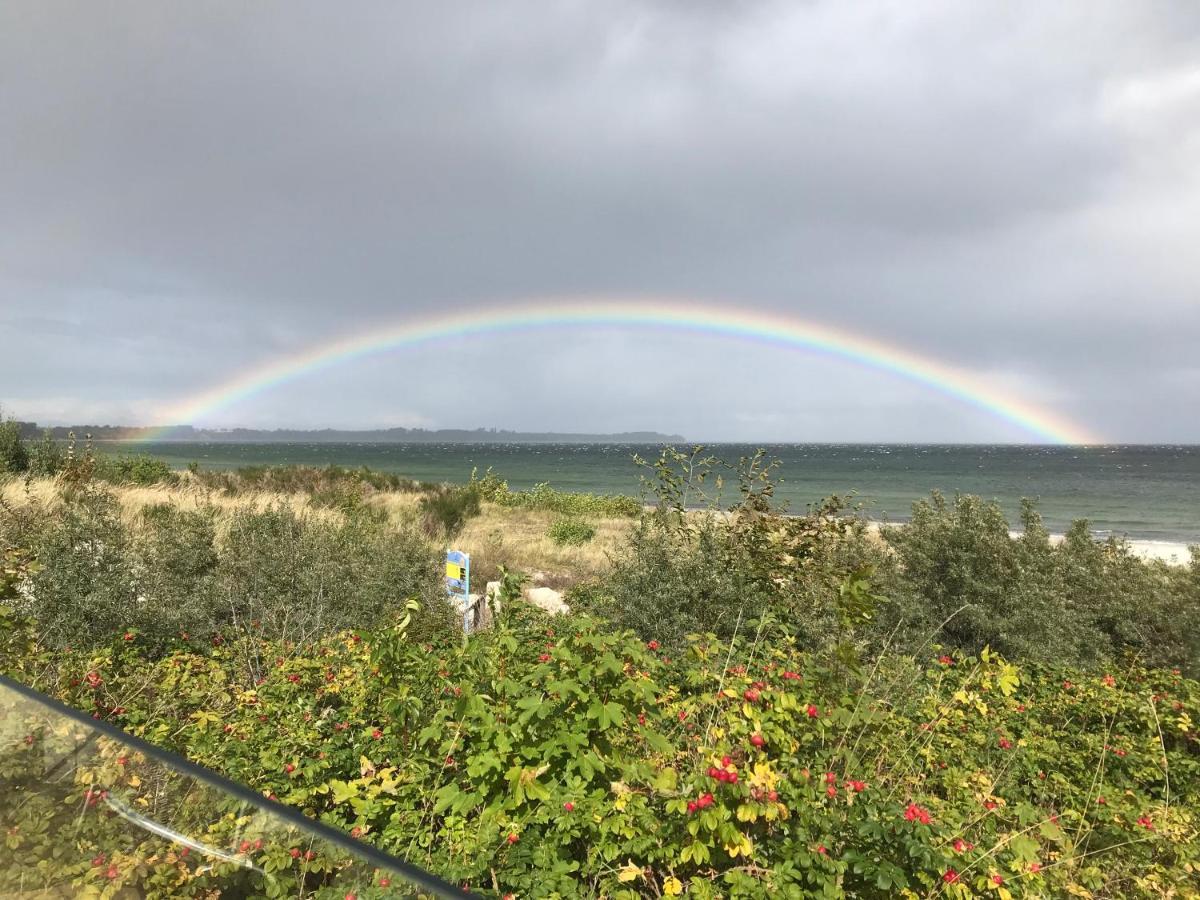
(621, 771)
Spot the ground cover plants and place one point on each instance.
(557, 757)
(744, 704)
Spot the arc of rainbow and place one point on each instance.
(673, 315)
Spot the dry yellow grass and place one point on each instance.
(499, 536)
(134, 498)
(516, 538)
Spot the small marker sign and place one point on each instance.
(458, 582)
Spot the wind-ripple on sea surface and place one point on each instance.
(1144, 492)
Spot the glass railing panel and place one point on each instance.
(88, 811)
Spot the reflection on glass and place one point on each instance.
(83, 813)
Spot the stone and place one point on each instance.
(547, 599)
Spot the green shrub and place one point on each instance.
(493, 488)
(274, 573)
(140, 469)
(558, 756)
(327, 481)
(686, 570)
(445, 510)
(1082, 601)
(47, 457)
(14, 457)
(570, 532)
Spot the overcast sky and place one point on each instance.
(188, 190)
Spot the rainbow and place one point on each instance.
(675, 315)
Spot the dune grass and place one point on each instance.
(514, 537)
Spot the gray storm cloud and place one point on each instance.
(188, 190)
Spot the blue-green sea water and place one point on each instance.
(1144, 492)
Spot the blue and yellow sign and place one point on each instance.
(458, 573)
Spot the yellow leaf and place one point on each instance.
(672, 887)
(740, 847)
(629, 872)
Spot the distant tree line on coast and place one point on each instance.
(191, 434)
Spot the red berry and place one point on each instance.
(725, 761)
(757, 740)
(512, 838)
(289, 768)
(295, 852)
(692, 806)
(569, 806)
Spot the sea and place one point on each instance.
(1143, 492)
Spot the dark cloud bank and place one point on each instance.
(189, 189)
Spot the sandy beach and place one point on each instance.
(1170, 552)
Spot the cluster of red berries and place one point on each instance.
(914, 813)
(790, 676)
(704, 801)
(727, 773)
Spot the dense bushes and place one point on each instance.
(445, 510)
(570, 532)
(14, 457)
(325, 482)
(561, 758)
(953, 572)
(1080, 601)
(493, 488)
(805, 707)
(688, 570)
(172, 576)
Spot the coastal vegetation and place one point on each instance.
(741, 703)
